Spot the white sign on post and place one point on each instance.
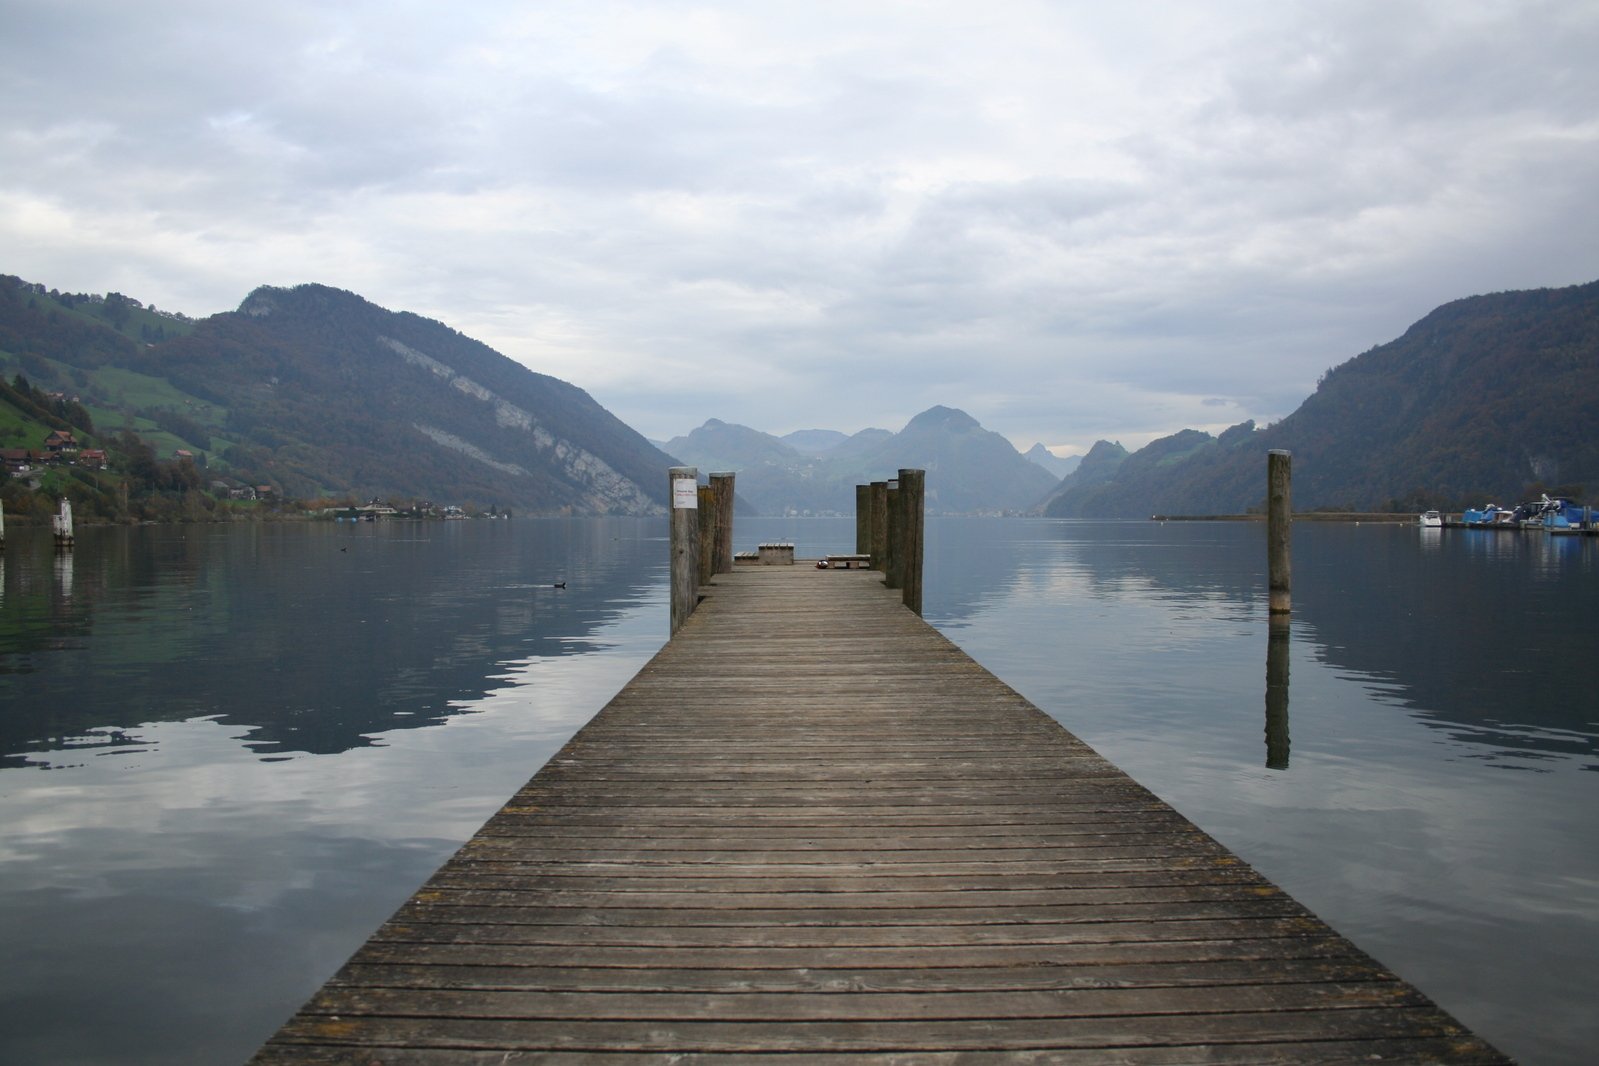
(685, 494)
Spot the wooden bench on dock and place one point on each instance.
(812, 828)
(846, 562)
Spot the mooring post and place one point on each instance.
(912, 484)
(879, 541)
(1279, 530)
(722, 484)
(863, 519)
(892, 542)
(685, 545)
(707, 538)
(61, 524)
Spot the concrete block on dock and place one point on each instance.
(777, 553)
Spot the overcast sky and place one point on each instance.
(1071, 220)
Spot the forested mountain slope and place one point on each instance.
(1490, 398)
(317, 391)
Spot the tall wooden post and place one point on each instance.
(891, 542)
(61, 524)
(879, 542)
(912, 484)
(863, 519)
(707, 521)
(1279, 530)
(685, 545)
(722, 485)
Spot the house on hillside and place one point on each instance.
(22, 460)
(94, 459)
(61, 443)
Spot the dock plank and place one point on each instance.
(812, 827)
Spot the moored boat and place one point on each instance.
(1566, 518)
(1432, 520)
(1488, 515)
(1557, 514)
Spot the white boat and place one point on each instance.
(1432, 520)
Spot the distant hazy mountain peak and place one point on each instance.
(969, 469)
(942, 419)
(814, 441)
(1050, 461)
(719, 445)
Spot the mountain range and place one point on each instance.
(969, 469)
(312, 391)
(1487, 399)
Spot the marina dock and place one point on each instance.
(812, 827)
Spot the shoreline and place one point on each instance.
(1299, 516)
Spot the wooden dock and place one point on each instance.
(813, 828)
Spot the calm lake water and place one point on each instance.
(226, 754)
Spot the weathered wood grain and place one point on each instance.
(812, 827)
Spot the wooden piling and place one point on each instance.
(722, 487)
(707, 521)
(863, 519)
(685, 547)
(912, 484)
(891, 541)
(1279, 530)
(879, 542)
(61, 524)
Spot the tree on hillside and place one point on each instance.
(117, 309)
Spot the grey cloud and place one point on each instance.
(1427, 64)
(1072, 223)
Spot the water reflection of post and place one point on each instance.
(1277, 693)
(64, 574)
